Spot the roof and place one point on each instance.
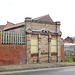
(16, 25)
(2, 26)
(45, 18)
(67, 39)
(8, 24)
(73, 38)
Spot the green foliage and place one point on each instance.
(67, 59)
(73, 59)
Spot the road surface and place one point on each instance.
(48, 71)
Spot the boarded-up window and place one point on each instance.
(34, 45)
(53, 45)
(12, 38)
(53, 42)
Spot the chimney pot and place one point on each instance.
(28, 18)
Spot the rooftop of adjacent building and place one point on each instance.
(70, 39)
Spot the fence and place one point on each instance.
(12, 54)
(12, 38)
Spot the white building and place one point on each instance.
(69, 49)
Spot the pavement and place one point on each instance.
(5, 68)
(46, 71)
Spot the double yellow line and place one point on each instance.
(22, 71)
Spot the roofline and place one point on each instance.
(37, 21)
(7, 27)
(11, 26)
(14, 27)
(41, 16)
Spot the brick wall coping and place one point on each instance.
(37, 21)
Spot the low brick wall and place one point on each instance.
(12, 54)
(62, 51)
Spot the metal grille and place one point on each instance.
(12, 38)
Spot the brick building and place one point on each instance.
(42, 39)
(69, 40)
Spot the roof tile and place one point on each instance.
(2, 26)
(45, 18)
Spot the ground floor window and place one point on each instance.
(34, 45)
(53, 45)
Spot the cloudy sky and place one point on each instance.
(15, 11)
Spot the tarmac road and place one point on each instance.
(48, 71)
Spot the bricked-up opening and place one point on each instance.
(12, 38)
(34, 46)
(53, 45)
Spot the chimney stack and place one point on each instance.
(58, 23)
(28, 18)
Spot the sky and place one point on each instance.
(15, 11)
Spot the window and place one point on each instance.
(53, 45)
(34, 45)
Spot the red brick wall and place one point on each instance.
(12, 54)
(62, 51)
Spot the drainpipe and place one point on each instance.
(57, 46)
(48, 49)
(57, 42)
(38, 50)
(25, 40)
(57, 23)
